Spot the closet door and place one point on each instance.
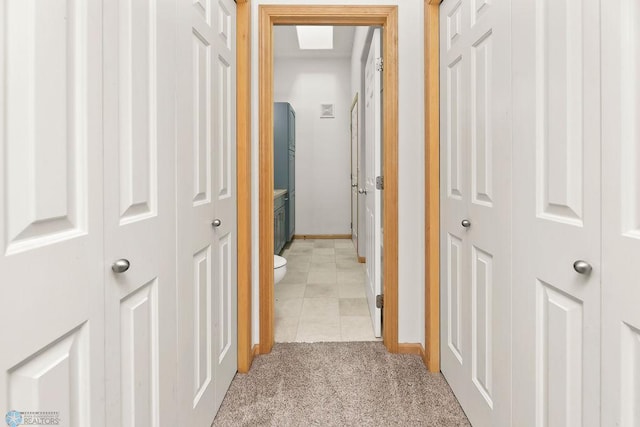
(51, 277)
(206, 207)
(557, 221)
(620, 213)
(139, 149)
(476, 207)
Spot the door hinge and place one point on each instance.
(379, 301)
(379, 183)
(379, 64)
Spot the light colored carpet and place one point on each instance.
(339, 384)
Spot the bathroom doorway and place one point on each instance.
(324, 295)
(386, 18)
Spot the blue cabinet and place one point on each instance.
(279, 223)
(284, 160)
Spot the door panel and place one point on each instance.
(620, 213)
(559, 351)
(139, 212)
(373, 212)
(206, 190)
(51, 209)
(225, 237)
(557, 123)
(476, 257)
(455, 269)
(354, 173)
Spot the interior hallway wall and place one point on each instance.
(410, 158)
(323, 203)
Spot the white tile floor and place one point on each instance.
(322, 297)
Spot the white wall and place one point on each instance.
(411, 160)
(323, 203)
(359, 45)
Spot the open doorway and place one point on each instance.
(319, 74)
(386, 18)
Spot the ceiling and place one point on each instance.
(285, 43)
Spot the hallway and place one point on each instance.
(322, 297)
(339, 384)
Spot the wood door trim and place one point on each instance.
(321, 236)
(411, 348)
(432, 179)
(432, 185)
(387, 17)
(243, 160)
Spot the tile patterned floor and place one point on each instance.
(322, 297)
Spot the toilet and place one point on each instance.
(279, 268)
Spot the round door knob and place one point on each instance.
(354, 185)
(466, 223)
(582, 267)
(120, 266)
(216, 223)
(362, 191)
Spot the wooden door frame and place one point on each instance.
(432, 184)
(432, 176)
(386, 17)
(243, 176)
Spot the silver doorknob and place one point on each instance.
(466, 223)
(216, 223)
(354, 185)
(582, 267)
(120, 266)
(362, 191)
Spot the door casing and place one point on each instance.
(386, 16)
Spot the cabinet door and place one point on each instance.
(276, 232)
(291, 218)
(279, 229)
(292, 129)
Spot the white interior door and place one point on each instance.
(51, 210)
(476, 208)
(620, 213)
(354, 173)
(206, 176)
(373, 220)
(139, 213)
(556, 171)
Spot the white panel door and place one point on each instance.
(354, 173)
(139, 214)
(51, 210)
(476, 207)
(620, 213)
(206, 207)
(556, 174)
(373, 141)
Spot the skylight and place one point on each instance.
(315, 37)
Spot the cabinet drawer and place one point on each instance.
(279, 202)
